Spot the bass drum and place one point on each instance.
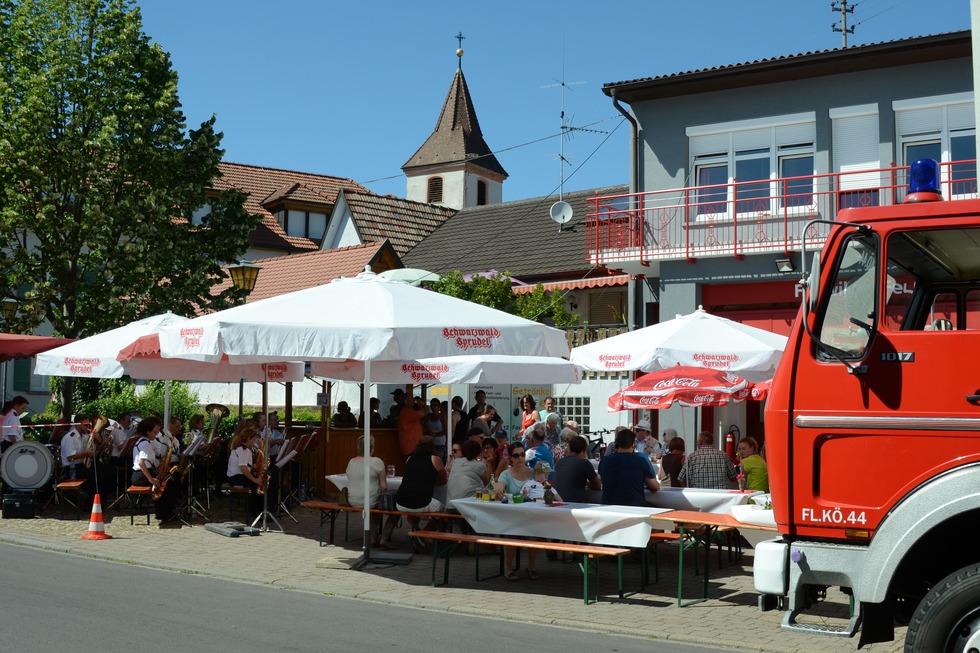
(26, 465)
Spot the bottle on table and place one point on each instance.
(491, 488)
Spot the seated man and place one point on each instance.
(75, 451)
(574, 472)
(625, 475)
(539, 450)
(707, 467)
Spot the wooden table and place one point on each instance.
(701, 528)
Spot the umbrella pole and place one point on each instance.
(386, 557)
(266, 515)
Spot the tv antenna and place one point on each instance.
(561, 211)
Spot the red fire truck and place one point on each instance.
(873, 427)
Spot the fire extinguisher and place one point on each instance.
(730, 438)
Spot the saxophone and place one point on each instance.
(261, 457)
(165, 471)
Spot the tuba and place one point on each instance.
(99, 422)
(217, 413)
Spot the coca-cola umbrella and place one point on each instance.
(683, 385)
(760, 390)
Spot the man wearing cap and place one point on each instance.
(539, 451)
(625, 475)
(643, 441)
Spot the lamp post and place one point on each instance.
(243, 276)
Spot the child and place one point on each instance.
(534, 488)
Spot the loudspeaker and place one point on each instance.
(18, 505)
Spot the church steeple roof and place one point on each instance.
(457, 137)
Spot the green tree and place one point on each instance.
(496, 292)
(99, 176)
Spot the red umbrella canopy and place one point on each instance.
(684, 385)
(13, 345)
(760, 390)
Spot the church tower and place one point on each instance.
(455, 167)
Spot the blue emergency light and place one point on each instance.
(923, 182)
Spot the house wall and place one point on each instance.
(665, 158)
(666, 164)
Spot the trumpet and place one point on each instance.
(98, 424)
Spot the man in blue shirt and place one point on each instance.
(625, 475)
(539, 451)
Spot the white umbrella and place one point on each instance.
(363, 318)
(414, 276)
(142, 360)
(698, 339)
(366, 319)
(457, 369)
(99, 356)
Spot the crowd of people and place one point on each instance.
(466, 451)
(109, 455)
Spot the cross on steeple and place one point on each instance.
(459, 50)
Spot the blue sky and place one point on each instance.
(352, 89)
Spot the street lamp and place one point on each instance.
(10, 306)
(243, 275)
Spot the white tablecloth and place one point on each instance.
(576, 522)
(687, 498)
(394, 482)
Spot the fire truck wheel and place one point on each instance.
(948, 617)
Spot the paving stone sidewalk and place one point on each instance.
(294, 560)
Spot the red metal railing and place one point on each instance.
(740, 218)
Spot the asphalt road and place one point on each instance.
(58, 602)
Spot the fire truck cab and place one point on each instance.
(873, 427)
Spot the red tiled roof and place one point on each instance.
(264, 185)
(283, 274)
(403, 222)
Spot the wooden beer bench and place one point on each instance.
(330, 510)
(445, 543)
(74, 488)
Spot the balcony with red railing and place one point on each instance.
(744, 217)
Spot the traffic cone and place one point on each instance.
(96, 528)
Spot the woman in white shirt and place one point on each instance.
(377, 480)
(10, 430)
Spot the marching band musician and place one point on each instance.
(240, 469)
(120, 436)
(74, 451)
(195, 427)
(147, 468)
(10, 429)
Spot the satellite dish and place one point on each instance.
(561, 212)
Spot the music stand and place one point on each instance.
(286, 453)
(192, 507)
(311, 445)
(208, 452)
(302, 443)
